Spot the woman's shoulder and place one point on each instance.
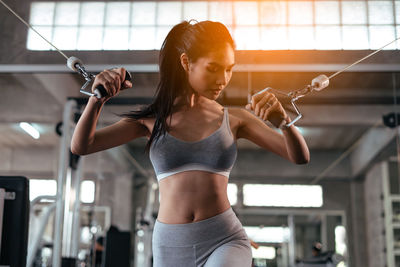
(237, 112)
(236, 116)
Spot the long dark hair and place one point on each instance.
(195, 40)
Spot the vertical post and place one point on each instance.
(76, 210)
(2, 197)
(324, 232)
(284, 262)
(62, 170)
(67, 222)
(292, 240)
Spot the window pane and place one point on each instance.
(67, 13)
(65, 37)
(195, 10)
(263, 252)
(34, 42)
(116, 38)
(247, 38)
(273, 12)
(117, 13)
(42, 187)
(87, 191)
(354, 12)
(274, 38)
(143, 13)
(300, 12)
(340, 240)
(380, 12)
(161, 33)
(282, 195)
(90, 38)
(355, 37)
(301, 38)
(42, 13)
(327, 12)
(169, 13)
(232, 194)
(92, 13)
(143, 38)
(397, 36)
(220, 11)
(328, 37)
(268, 234)
(380, 36)
(246, 13)
(397, 9)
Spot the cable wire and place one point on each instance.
(364, 58)
(29, 26)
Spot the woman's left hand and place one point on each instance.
(265, 103)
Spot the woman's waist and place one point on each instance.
(191, 207)
(219, 226)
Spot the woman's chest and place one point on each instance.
(195, 128)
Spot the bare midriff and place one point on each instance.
(192, 196)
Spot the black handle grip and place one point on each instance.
(101, 92)
(276, 119)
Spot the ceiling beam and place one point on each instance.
(371, 145)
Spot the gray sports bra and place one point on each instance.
(215, 153)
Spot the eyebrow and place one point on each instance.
(215, 63)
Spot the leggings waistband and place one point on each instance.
(218, 226)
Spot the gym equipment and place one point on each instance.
(318, 83)
(14, 220)
(73, 63)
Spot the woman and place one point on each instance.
(192, 144)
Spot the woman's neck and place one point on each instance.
(192, 101)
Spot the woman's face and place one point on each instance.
(210, 74)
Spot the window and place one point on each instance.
(232, 194)
(255, 25)
(87, 191)
(268, 234)
(41, 187)
(340, 240)
(282, 195)
(264, 252)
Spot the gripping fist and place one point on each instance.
(264, 104)
(113, 81)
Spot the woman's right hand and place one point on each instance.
(112, 81)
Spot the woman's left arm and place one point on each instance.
(290, 145)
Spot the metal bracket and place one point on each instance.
(88, 77)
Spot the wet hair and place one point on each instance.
(195, 40)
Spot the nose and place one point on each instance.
(222, 79)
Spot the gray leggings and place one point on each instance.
(218, 241)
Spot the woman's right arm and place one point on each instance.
(86, 139)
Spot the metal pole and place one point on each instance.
(62, 169)
(2, 198)
(324, 232)
(38, 238)
(67, 222)
(292, 240)
(76, 212)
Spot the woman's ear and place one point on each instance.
(185, 62)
